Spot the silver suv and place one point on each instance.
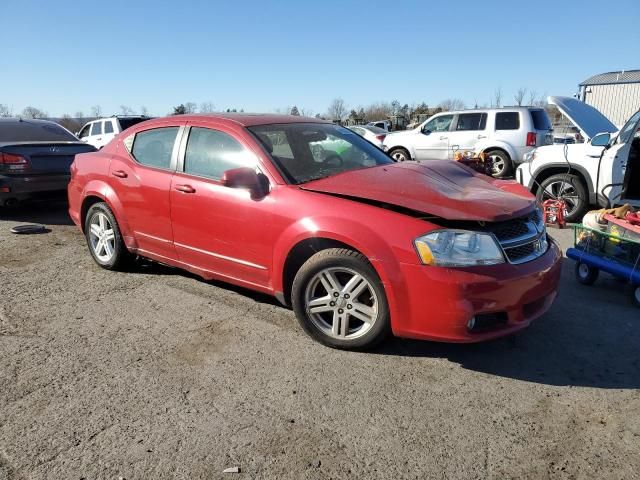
(505, 134)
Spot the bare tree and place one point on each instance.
(378, 111)
(532, 97)
(190, 107)
(519, 96)
(96, 111)
(497, 98)
(71, 124)
(33, 112)
(5, 110)
(541, 101)
(207, 107)
(306, 112)
(337, 109)
(144, 111)
(451, 104)
(126, 110)
(79, 115)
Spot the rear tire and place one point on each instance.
(400, 155)
(502, 164)
(586, 274)
(340, 301)
(104, 238)
(569, 188)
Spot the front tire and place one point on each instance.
(104, 238)
(502, 166)
(571, 190)
(340, 301)
(400, 155)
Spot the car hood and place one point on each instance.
(588, 119)
(442, 188)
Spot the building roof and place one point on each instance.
(622, 76)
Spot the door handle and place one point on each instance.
(185, 188)
(119, 173)
(481, 136)
(443, 138)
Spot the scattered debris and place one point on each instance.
(231, 470)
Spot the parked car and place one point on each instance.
(603, 171)
(373, 134)
(35, 157)
(307, 211)
(101, 131)
(383, 124)
(504, 134)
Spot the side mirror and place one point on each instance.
(246, 177)
(601, 140)
(426, 131)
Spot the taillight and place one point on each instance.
(531, 139)
(13, 162)
(380, 137)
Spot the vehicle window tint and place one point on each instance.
(507, 121)
(108, 126)
(96, 128)
(211, 152)
(469, 121)
(154, 147)
(540, 120)
(276, 143)
(85, 131)
(130, 122)
(626, 131)
(439, 124)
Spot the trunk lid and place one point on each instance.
(47, 157)
(588, 119)
(440, 187)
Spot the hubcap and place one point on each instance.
(497, 164)
(583, 270)
(565, 191)
(341, 303)
(399, 156)
(103, 240)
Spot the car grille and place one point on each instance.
(522, 239)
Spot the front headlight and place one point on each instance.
(529, 156)
(458, 248)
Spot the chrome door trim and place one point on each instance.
(222, 257)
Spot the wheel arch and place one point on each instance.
(99, 191)
(542, 174)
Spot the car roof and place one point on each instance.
(244, 119)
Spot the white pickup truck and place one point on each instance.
(603, 171)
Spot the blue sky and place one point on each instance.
(65, 56)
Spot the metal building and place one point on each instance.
(615, 94)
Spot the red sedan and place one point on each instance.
(308, 211)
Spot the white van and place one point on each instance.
(505, 134)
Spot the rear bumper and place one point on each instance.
(441, 301)
(21, 187)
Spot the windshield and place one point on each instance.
(309, 151)
(33, 131)
(625, 133)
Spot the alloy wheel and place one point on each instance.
(102, 237)
(497, 164)
(341, 303)
(565, 191)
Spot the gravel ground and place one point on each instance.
(156, 374)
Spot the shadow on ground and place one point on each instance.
(589, 338)
(49, 211)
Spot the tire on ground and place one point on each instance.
(346, 258)
(581, 192)
(508, 164)
(121, 256)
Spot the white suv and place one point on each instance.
(505, 134)
(101, 131)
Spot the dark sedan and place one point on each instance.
(35, 158)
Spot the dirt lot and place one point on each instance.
(156, 374)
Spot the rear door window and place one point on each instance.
(471, 121)
(96, 128)
(154, 147)
(439, 124)
(108, 126)
(507, 121)
(211, 152)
